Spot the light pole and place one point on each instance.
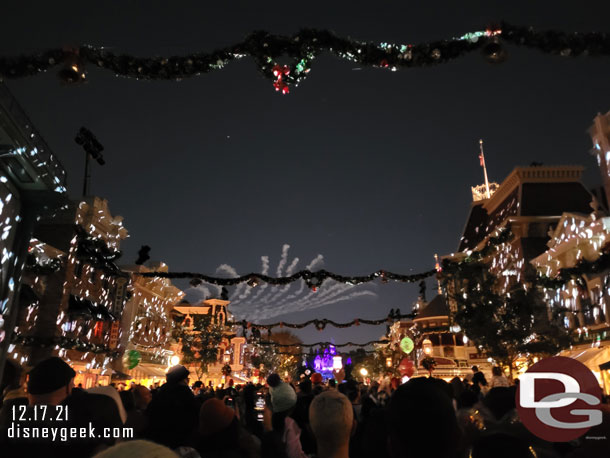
(93, 149)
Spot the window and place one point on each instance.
(98, 329)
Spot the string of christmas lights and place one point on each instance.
(65, 343)
(326, 344)
(303, 48)
(313, 279)
(320, 324)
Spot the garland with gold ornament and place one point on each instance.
(301, 49)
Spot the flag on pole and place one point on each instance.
(482, 159)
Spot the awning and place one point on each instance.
(118, 375)
(151, 371)
(591, 357)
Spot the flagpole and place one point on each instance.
(484, 169)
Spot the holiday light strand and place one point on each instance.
(313, 279)
(320, 324)
(326, 344)
(303, 48)
(66, 343)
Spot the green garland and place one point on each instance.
(303, 48)
(326, 344)
(320, 324)
(313, 279)
(63, 342)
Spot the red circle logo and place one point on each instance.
(559, 399)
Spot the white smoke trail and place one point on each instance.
(269, 301)
(232, 273)
(283, 259)
(291, 268)
(265, 271)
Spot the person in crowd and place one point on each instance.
(137, 448)
(135, 402)
(499, 445)
(197, 387)
(231, 390)
(249, 414)
(301, 414)
(332, 421)
(317, 382)
(113, 394)
(174, 413)
(12, 390)
(284, 430)
(222, 436)
(51, 383)
(479, 382)
(498, 379)
(458, 388)
(371, 437)
(420, 413)
(351, 390)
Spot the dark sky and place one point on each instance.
(371, 169)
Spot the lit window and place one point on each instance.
(98, 329)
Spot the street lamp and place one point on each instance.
(427, 346)
(388, 361)
(174, 360)
(364, 372)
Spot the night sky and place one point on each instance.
(369, 168)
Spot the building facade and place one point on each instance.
(146, 325)
(75, 292)
(232, 348)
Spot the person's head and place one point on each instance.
(305, 386)
(274, 380)
(332, 383)
(115, 395)
(500, 401)
(178, 375)
(351, 390)
(136, 448)
(316, 378)
(283, 397)
(496, 371)
(128, 399)
(214, 417)
(142, 396)
(331, 417)
(433, 417)
(197, 385)
(50, 382)
(475, 368)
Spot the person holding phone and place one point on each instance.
(277, 421)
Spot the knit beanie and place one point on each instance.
(214, 417)
(49, 375)
(316, 378)
(176, 374)
(283, 397)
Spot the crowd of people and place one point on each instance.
(424, 417)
